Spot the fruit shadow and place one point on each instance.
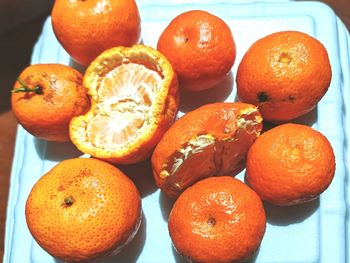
(219, 93)
(287, 215)
(166, 204)
(141, 175)
(253, 257)
(55, 151)
(180, 259)
(131, 252)
(284, 216)
(308, 119)
(76, 65)
(177, 257)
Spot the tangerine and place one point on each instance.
(83, 209)
(285, 74)
(290, 164)
(46, 97)
(218, 219)
(87, 28)
(211, 140)
(201, 48)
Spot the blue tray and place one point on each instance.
(314, 232)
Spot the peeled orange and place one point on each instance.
(134, 97)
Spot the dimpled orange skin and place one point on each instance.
(290, 164)
(218, 219)
(47, 115)
(86, 28)
(104, 215)
(285, 74)
(219, 120)
(201, 48)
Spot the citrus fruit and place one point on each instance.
(134, 95)
(86, 28)
(201, 48)
(290, 164)
(83, 209)
(210, 140)
(45, 98)
(285, 74)
(218, 219)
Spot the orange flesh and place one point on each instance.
(125, 98)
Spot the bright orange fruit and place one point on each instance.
(87, 28)
(46, 97)
(200, 47)
(285, 74)
(134, 95)
(290, 164)
(211, 140)
(218, 219)
(83, 209)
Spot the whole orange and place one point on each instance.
(201, 48)
(218, 219)
(83, 209)
(134, 97)
(86, 28)
(285, 74)
(211, 140)
(290, 164)
(46, 97)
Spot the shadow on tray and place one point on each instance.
(284, 216)
(141, 175)
(192, 100)
(56, 151)
(131, 252)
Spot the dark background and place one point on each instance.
(16, 43)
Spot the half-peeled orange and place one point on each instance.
(134, 96)
(211, 140)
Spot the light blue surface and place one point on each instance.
(315, 232)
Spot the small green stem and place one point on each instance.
(25, 88)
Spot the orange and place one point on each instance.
(201, 48)
(285, 74)
(219, 219)
(211, 140)
(86, 28)
(83, 209)
(290, 164)
(45, 98)
(134, 95)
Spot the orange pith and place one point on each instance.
(134, 100)
(218, 219)
(290, 164)
(83, 209)
(285, 74)
(216, 139)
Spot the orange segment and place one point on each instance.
(134, 93)
(124, 101)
